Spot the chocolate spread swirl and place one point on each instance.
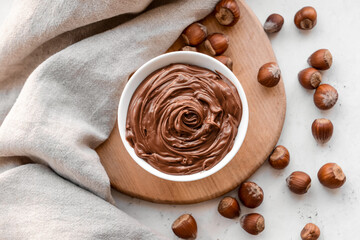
(183, 119)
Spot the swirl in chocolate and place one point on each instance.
(183, 119)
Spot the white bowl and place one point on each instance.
(161, 61)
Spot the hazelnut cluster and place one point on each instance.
(305, 19)
(269, 73)
(214, 44)
(250, 195)
(325, 96)
(196, 37)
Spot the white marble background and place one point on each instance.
(336, 212)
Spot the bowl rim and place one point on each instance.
(133, 82)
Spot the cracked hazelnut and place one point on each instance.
(298, 182)
(269, 74)
(321, 59)
(331, 175)
(310, 232)
(310, 78)
(226, 61)
(185, 227)
(229, 207)
(279, 158)
(250, 194)
(194, 34)
(217, 43)
(305, 18)
(227, 12)
(322, 130)
(325, 96)
(273, 23)
(253, 223)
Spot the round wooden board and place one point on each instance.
(249, 48)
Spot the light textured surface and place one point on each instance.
(335, 211)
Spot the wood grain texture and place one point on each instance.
(249, 48)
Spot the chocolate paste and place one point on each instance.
(183, 119)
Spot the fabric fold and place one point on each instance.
(53, 208)
(43, 20)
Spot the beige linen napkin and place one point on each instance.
(36, 203)
(63, 65)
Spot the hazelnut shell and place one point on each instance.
(225, 60)
(310, 232)
(306, 18)
(269, 74)
(298, 182)
(253, 223)
(325, 97)
(310, 78)
(185, 227)
(331, 175)
(321, 59)
(279, 158)
(227, 12)
(217, 43)
(229, 207)
(250, 194)
(194, 34)
(273, 23)
(322, 130)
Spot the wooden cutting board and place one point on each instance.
(249, 48)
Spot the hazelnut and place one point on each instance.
(185, 227)
(217, 43)
(279, 158)
(229, 207)
(227, 12)
(253, 223)
(310, 78)
(189, 48)
(250, 194)
(273, 23)
(298, 182)
(269, 74)
(194, 34)
(331, 175)
(305, 18)
(321, 59)
(310, 232)
(322, 130)
(325, 96)
(226, 61)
